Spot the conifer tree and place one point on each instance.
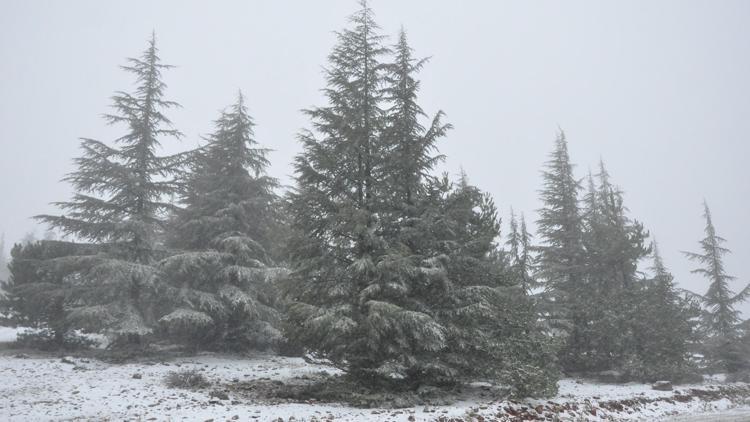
(661, 273)
(227, 189)
(663, 329)
(526, 260)
(38, 290)
(120, 204)
(351, 302)
(614, 245)
(334, 208)
(519, 244)
(560, 256)
(514, 239)
(219, 289)
(393, 276)
(720, 318)
(490, 320)
(411, 148)
(621, 240)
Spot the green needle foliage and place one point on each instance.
(721, 319)
(119, 204)
(395, 273)
(219, 289)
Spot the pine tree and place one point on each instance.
(623, 239)
(661, 273)
(220, 289)
(514, 239)
(614, 245)
(348, 300)
(412, 148)
(393, 272)
(560, 256)
(38, 290)
(663, 329)
(519, 244)
(721, 318)
(490, 320)
(120, 204)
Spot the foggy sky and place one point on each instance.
(659, 90)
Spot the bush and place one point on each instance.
(636, 369)
(186, 378)
(49, 340)
(37, 293)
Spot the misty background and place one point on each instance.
(659, 90)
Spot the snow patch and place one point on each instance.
(45, 389)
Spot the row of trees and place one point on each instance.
(201, 272)
(589, 261)
(610, 314)
(371, 263)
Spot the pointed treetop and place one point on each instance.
(591, 193)
(364, 18)
(463, 178)
(561, 141)
(513, 236)
(710, 229)
(525, 235)
(712, 248)
(604, 176)
(240, 99)
(720, 301)
(523, 223)
(559, 158)
(658, 267)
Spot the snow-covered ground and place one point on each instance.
(41, 387)
(8, 334)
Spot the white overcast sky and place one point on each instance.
(659, 89)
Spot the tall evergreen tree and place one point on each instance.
(490, 320)
(661, 273)
(519, 244)
(392, 275)
(220, 288)
(614, 245)
(335, 210)
(561, 255)
(526, 260)
(227, 189)
(621, 239)
(411, 148)
(721, 318)
(120, 204)
(514, 239)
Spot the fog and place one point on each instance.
(658, 90)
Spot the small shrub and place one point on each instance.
(186, 378)
(636, 369)
(47, 340)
